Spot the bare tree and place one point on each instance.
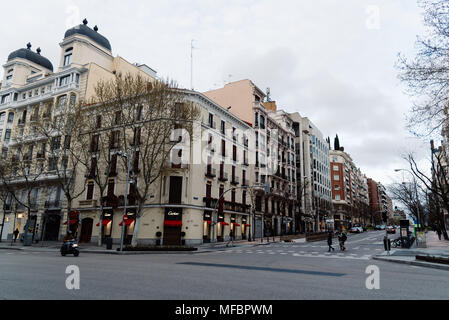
(60, 131)
(146, 120)
(427, 74)
(411, 196)
(437, 184)
(19, 175)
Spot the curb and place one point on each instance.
(414, 263)
(11, 248)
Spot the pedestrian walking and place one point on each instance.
(439, 233)
(341, 239)
(16, 234)
(330, 235)
(231, 239)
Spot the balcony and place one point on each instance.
(52, 204)
(168, 165)
(245, 182)
(87, 203)
(110, 201)
(223, 176)
(21, 122)
(210, 172)
(235, 180)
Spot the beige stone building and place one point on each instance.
(32, 90)
(201, 196)
(275, 170)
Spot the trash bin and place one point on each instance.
(109, 243)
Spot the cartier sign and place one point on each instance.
(173, 213)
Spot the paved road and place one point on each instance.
(272, 271)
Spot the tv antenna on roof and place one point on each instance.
(191, 63)
(268, 94)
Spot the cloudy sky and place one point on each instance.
(330, 60)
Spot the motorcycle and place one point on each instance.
(70, 247)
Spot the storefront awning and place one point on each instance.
(72, 221)
(173, 223)
(224, 223)
(246, 225)
(127, 222)
(208, 221)
(236, 224)
(105, 222)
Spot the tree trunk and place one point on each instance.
(3, 223)
(100, 231)
(135, 238)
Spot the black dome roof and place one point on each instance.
(88, 32)
(31, 56)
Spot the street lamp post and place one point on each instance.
(124, 155)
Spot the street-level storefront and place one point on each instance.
(74, 222)
(51, 225)
(220, 227)
(172, 227)
(234, 226)
(207, 226)
(86, 230)
(107, 222)
(129, 220)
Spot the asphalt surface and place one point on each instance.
(275, 271)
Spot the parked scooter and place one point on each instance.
(70, 247)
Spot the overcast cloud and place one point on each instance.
(332, 61)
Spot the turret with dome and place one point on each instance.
(31, 56)
(92, 34)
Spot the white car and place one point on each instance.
(356, 230)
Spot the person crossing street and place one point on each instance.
(341, 239)
(330, 235)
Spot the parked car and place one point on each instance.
(391, 229)
(378, 227)
(356, 230)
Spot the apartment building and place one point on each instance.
(274, 171)
(32, 90)
(349, 191)
(316, 178)
(200, 196)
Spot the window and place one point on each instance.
(335, 168)
(64, 80)
(223, 127)
(52, 163)
(5, 98)
(55, 143)
(94, 143)
(337, 197)
(67, 59)
(72, 100)
(211, 120)
(336, 177)
(62, 102)
(7, 134)
(90, 190)
(262, 122)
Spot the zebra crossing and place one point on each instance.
(299, 253)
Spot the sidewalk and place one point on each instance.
(434, 248)
(54, 246)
